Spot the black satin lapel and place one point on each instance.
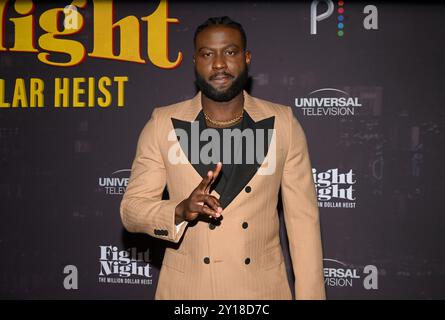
(243, 173)
(186, 145)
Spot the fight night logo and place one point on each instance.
(334, 189)
(116, 183)
(339, 274)
(124, 266)
(58, 24)
(370, 22)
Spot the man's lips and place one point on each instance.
(221, 79)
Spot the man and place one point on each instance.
(223, 216)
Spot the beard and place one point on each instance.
(228, 94)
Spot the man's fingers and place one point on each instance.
(205, 181)
(216, 171)
(211, 201)
(208, 205)
(214, 177)
(204, 209)
(209, 212)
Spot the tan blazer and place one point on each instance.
(242, 258)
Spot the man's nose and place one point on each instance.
(219, 62)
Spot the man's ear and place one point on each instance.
(248, 57)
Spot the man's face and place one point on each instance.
(220, 63)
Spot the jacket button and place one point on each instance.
(245, 225)
(247, 261)
(211, 226)
(248, 189)
(206, 260)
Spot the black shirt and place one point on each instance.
(227, 167)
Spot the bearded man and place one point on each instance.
(224, 157)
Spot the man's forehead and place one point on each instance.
(218, 36)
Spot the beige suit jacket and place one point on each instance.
(232, 261)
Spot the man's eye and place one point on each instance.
(207, 54)
(231, 53)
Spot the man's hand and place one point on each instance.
(200, 202)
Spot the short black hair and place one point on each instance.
(223, 21)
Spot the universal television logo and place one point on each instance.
(340, 274)
(114, 184)
(328, 102)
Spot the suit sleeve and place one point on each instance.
(302, 216)
(142, 209)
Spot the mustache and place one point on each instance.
(225, 74)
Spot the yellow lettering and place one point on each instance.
(3, 104)
(48, 41)
(80, 94)
(19, 94)
(91, 87)
(61, 90)
(24, 27)
(58, 23)
(120, 90)
(36, 97)
(2, 26)
(157, 46)
(104, 28)
(104, 101)
(77, 90)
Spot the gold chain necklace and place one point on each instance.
(223, 123)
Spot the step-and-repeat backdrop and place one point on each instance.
(80, 79)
